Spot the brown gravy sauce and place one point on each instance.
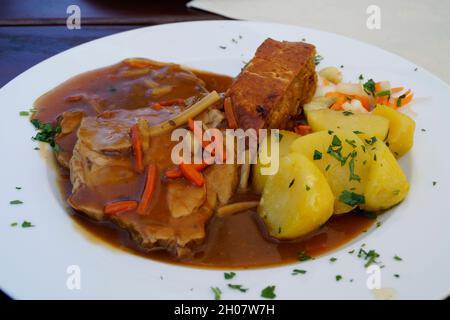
(238, 241)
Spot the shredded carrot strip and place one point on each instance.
(149, 188)
(364, 101)
(396, 90)
(120, 207)
(229, 113)
(190, 173)
(173, 173)
(136, 143)
(406, 100)
(338, 104)
(155, 105)
(378, 87)
(303, 129)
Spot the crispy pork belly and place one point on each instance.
(274, 84)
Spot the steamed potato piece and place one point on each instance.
(336, 173)
(328, 119)
(401, 129)
(286, 138)
(297, 199)
(386, 184)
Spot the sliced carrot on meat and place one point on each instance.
(120, 207)
(229, 113)
(303, 129)
(190, 172)
(136, 143)
(173, 173)
(200, 166)
(149, 189)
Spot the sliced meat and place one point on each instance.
(102, 171)
(183, 198)
(221, 183)
(274, 84)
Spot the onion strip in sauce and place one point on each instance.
(184, 116)
(236, 207)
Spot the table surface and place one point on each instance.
(34, 30)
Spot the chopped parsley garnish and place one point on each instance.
(222, 47)
(24, 113)
(351, 251)
(298, 271)
(280, 137)
(217, 293)
(353, 175)
(229, 275)
(291, 183)
(434, 183)
(369, 87)
(268, 292)
(399, 100)
(47, 133)
(397, 275)
(347, 113)
(27, 224)
(330, 132)
(357, 132)
(396, 257)
(19, 188)
(337, 155)
(15, 202)
(361, 77)
(383, 93)
(351, 142)
(14, 224)
(378, 224)
(237, 287)
(351, 198)
(307, 187)
(371, 141)
(303, 256)
(328, 167)
(423, 130)
(317, 59)
(370, 256)
(333, 259)
(317, 155)
(365, 214)
(338, 277)
(336, 142)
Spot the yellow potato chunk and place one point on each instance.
(265, 154)
(386, 184)
(401, 129)
(343, 159)
(368, 123)
(297, 199)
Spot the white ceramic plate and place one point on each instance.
(35, 261)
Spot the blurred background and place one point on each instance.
(33, 30)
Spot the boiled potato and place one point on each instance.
(264, 155)
(386, 184)
(348, 173)
(328, 119)
(297, 199)
(401, 129)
